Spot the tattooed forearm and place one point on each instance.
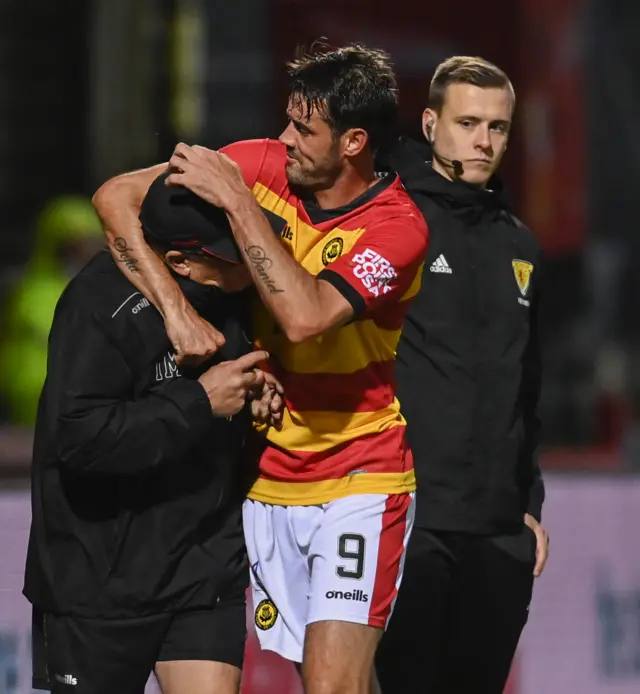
(124, 254)
(262, 263)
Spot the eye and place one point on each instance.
(302, 129)
(466, 123)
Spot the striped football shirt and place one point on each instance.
(343, 432)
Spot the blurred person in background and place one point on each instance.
(468, 377)
(328, 518)
(136, 558)
(67, 234)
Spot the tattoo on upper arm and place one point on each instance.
(259, 259)
(124, 254)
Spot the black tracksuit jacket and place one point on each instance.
(136, 486)
(468, 367)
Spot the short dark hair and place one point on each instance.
(461, 69)
(352, 87)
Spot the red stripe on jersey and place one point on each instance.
(368, 390)
(391, 549)
(386, 451)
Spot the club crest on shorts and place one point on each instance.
(332, 251)
(522, 270)
(266, 615)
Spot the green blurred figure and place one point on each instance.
(67, 234)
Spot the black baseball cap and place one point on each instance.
(174, 218)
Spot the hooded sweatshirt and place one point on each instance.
(468, 368)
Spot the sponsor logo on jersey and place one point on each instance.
(374, 271)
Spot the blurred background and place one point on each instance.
(92, 88)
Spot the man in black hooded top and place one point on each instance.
(136, 558)
(468, 373)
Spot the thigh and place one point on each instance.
(86, 656)
(409, 656)
(357, 558)
(490, 607)
(197, 677)
(338, 658)
(215, 636)
(278, 538)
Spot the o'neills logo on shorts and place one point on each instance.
(66, 679)
(357, 595)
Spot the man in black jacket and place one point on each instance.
(136, 558)
(468, 374)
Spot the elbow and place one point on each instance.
(300, 331)
(109, 192)
(299, 328)
(106, 199)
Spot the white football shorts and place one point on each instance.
(342, 560)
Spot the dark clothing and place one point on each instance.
(93, 656)
(460, 611)
(136, 496)
(468, 381)
(468, 366)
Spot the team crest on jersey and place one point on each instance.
(522, 270)
(332, 251)
(266, 615)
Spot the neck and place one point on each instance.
(355, 179)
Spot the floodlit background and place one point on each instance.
(91, 88)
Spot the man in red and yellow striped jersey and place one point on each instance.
(327, 520)
(342, 415)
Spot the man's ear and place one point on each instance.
(354, 141)
(429, 120)
(178, 262)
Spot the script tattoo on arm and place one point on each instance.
(124, 254)
(262, 263)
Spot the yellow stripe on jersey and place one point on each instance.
(341, 350)
(319, 431)
(415, 285)
(308, 493)
(307, 243)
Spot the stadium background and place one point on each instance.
(92, 88)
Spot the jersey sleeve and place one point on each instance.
(250, 155)
(382, 265)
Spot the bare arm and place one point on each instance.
(376, 270)
(303, 305)
(117, 203)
